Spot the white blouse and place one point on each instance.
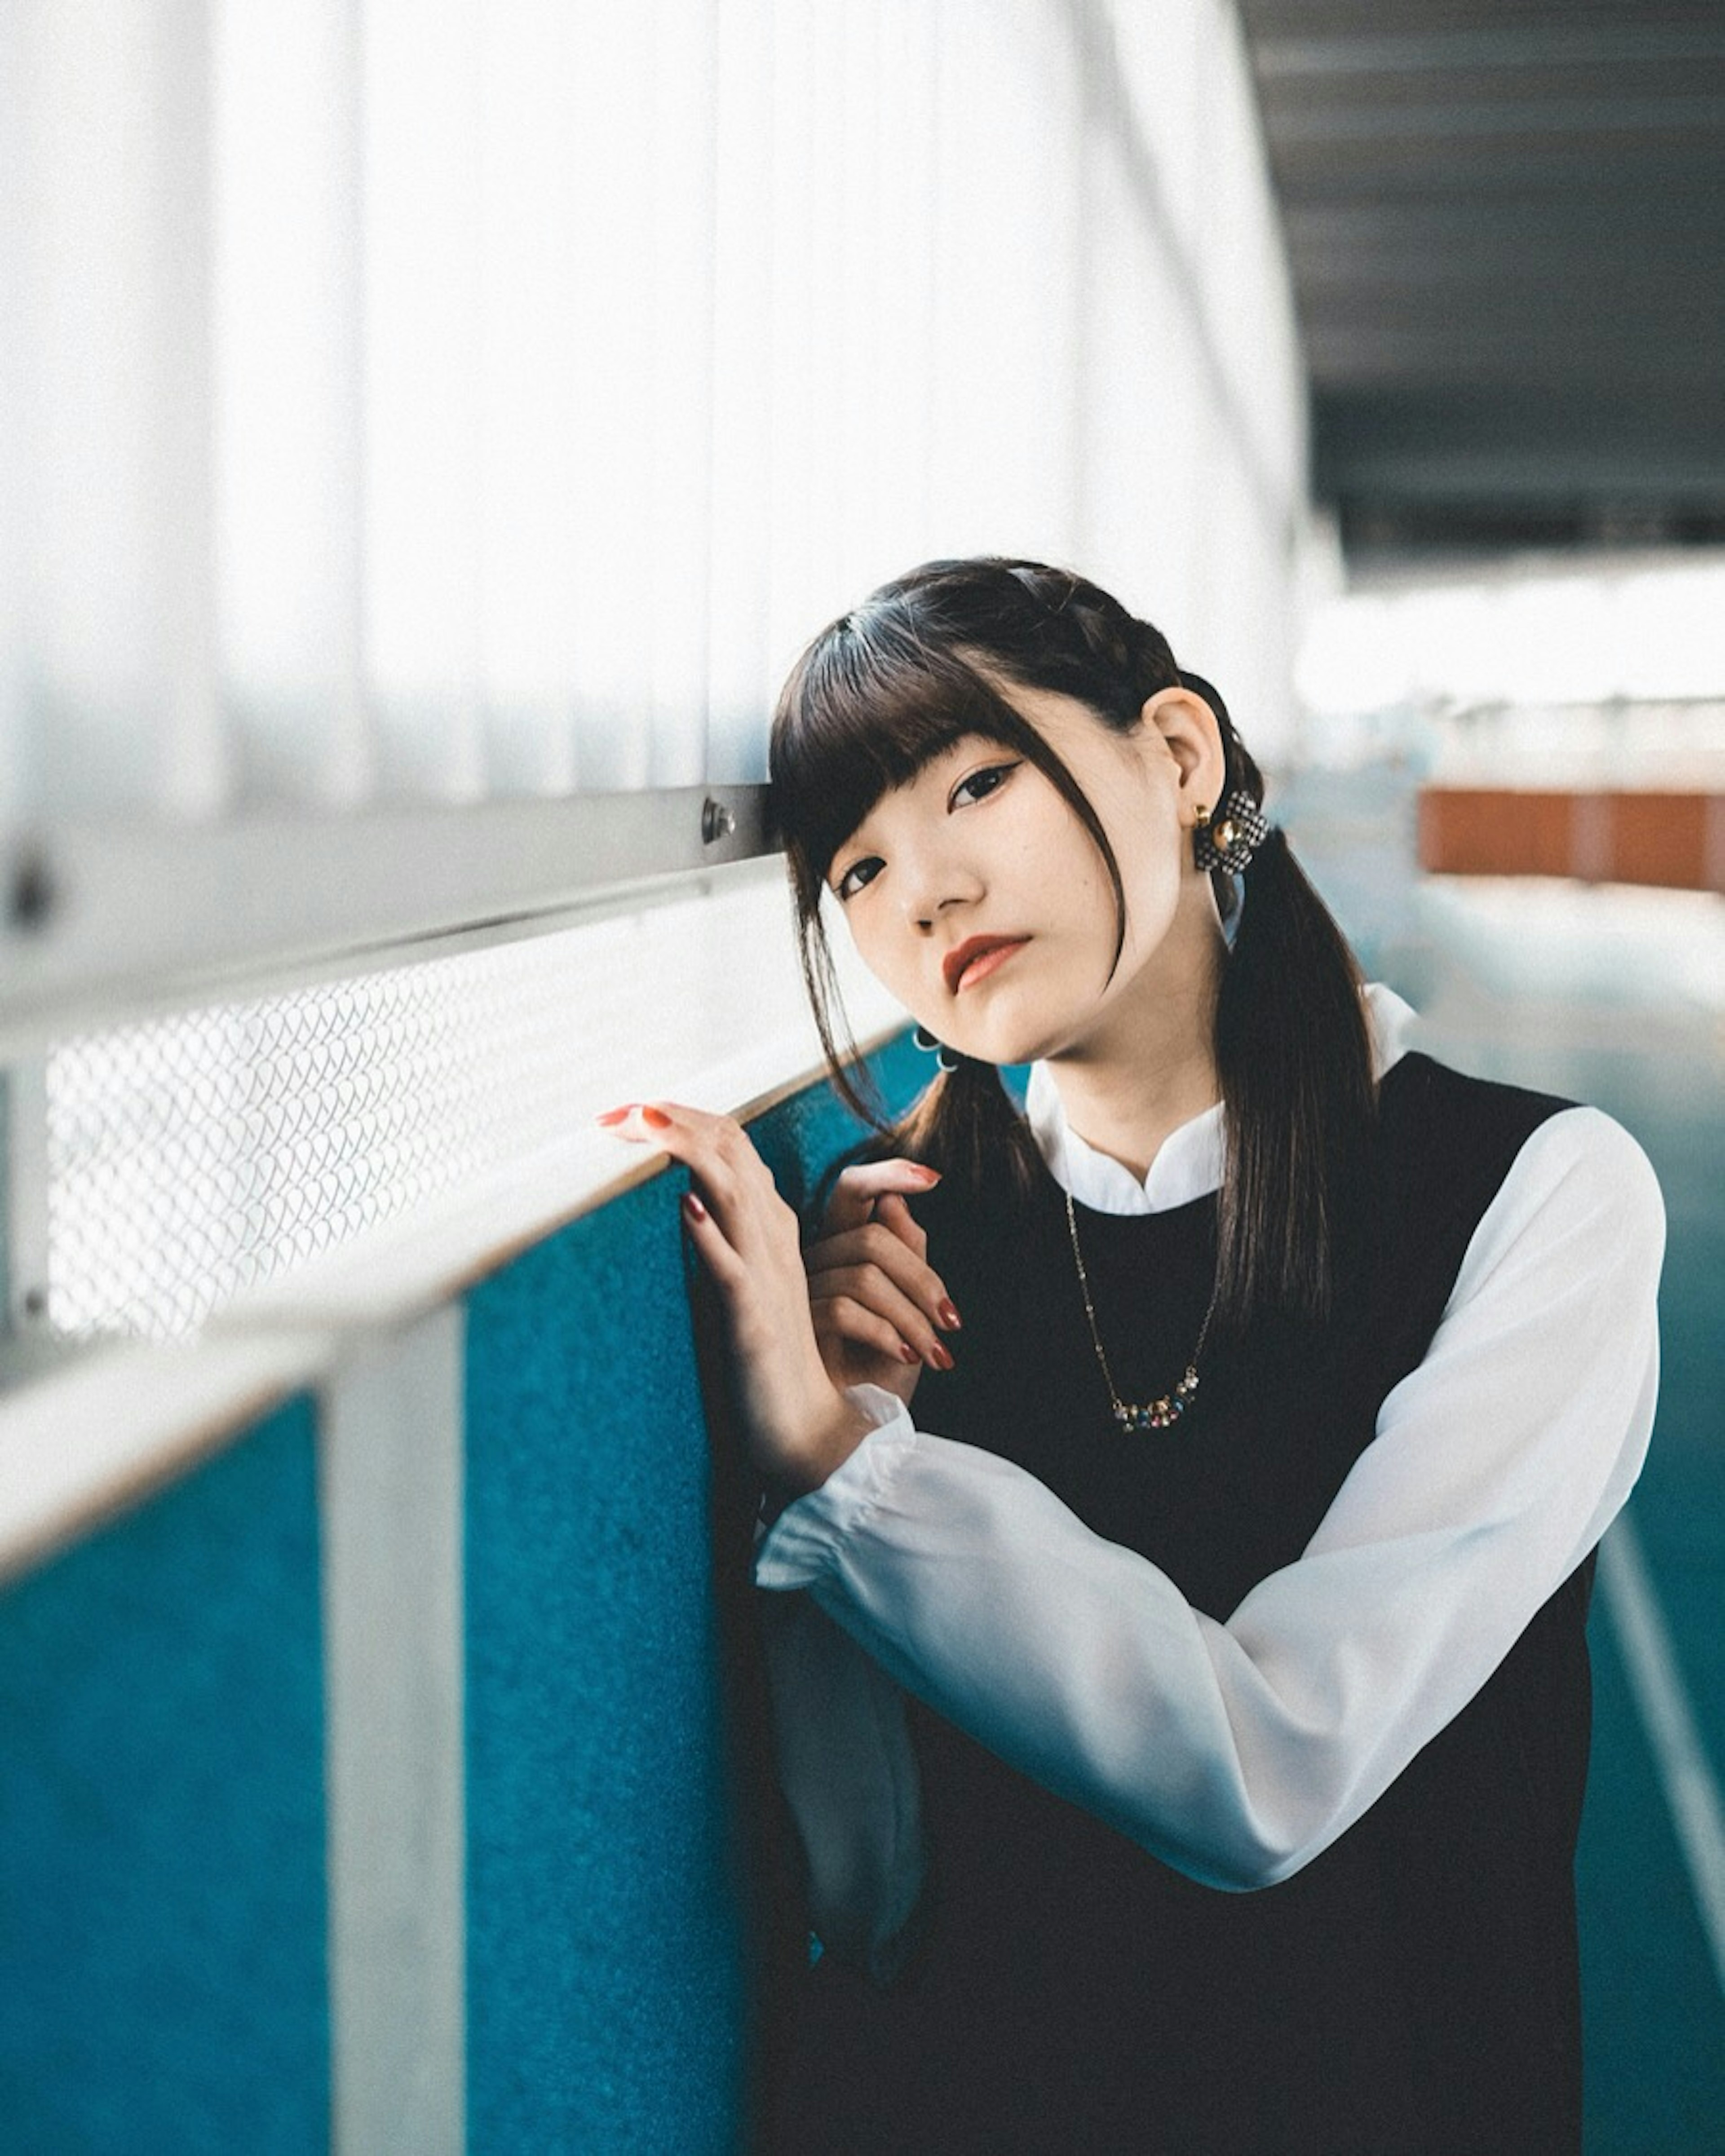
(1240, 1751)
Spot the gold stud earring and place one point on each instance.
(1233, 841)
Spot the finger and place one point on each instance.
(716, 1149)
(873, 1243)
(877, 1246)
(855, 1325)
(710, 1246)
(677, 1129)
(854, 1193)
(891, 1213)
(867, 1288)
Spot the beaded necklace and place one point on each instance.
(1129, 1416)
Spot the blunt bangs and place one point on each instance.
(868, 706)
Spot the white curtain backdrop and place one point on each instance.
(435, 399)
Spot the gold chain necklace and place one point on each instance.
(1161, 1414)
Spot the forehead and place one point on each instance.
(865, 719)
(869, 712)
(934, 773)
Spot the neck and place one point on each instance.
(1152, 1066)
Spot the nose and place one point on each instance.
(937, 883)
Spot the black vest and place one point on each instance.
(1414, 1988)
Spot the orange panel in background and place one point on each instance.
(1676, 840)
(1660, 838)
(1474, 831)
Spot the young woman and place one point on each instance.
(1186, 1486)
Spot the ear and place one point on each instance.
(1192, 734)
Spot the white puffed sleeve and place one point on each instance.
(1238, 1752)
(849, 1779)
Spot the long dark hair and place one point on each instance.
(887, 688)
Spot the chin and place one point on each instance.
(1035, 1033)
(1007, 1046)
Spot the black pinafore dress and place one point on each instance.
(1413, 1991)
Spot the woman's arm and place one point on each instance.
(1239, 1751)
(799, 1423)
(861, 1302)
(860, 1305)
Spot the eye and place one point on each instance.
(859, 873)
(978, 785)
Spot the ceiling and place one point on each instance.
(1506, 226)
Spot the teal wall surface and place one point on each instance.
(164, 1934)
(162, 1988)
(608, 1924)
(603, 1976)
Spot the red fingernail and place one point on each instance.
(655, 1119)
(908, 1354)
(616, 1114)
(926, 1174)
(947, 1311)
(693, 1206)
(939, 1355)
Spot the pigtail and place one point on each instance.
(1294, 1057)
(967, 1126)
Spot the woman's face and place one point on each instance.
(977, 897)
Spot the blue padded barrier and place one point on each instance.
(162, 1931)
(608, 1963)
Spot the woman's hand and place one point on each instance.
(879, 1306)
(799, 1425)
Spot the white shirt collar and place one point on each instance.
(1192, 1158)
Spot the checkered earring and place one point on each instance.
(1238, 832)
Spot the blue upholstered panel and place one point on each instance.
(162, 1928)
(605, 1978)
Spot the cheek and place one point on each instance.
(884, 954)
(1152, 898)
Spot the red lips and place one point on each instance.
(962, 956)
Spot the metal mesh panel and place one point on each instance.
(191, 1157)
